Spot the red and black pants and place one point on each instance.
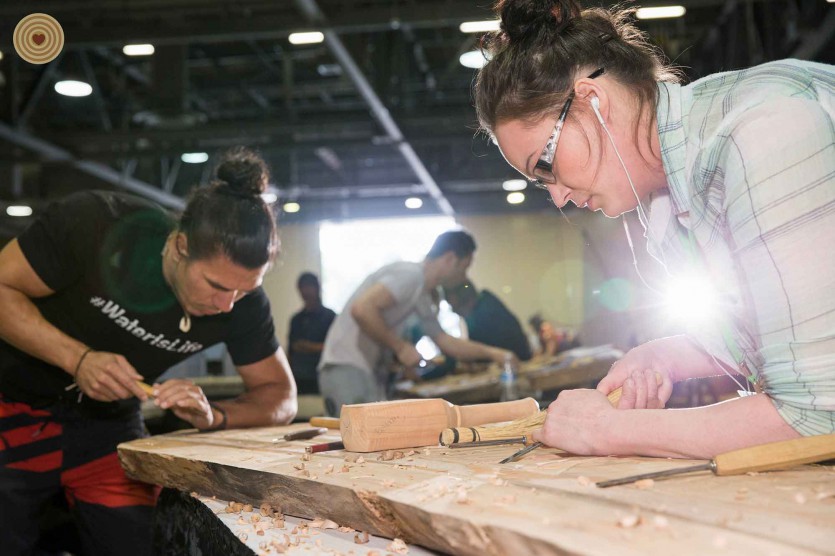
(44, 452)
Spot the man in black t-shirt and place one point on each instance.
(106, 290)
(488, 320)
(308, 329)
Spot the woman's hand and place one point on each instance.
(638, 373)
(577, 422)
(187, 401)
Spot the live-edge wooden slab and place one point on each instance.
(461, 501)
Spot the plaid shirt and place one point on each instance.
(750, 163)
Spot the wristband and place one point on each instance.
(80, 361)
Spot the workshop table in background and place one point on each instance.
(462, 501)
(580, 367)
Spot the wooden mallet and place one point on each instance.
(371, 427)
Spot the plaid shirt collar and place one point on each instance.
(672, 138)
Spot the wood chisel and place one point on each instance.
(305, 434)
(765, 457)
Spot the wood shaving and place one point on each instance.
(410, 453)
(352, 458)
(278, 522)
(360, 460)
(295, 531)
(247, 507)
(372, 553)
(304, 473)
(194, 494)
(298, 466)
(345, 469)
(644, 484)
(242, 535)
(255, 518)
(388, 455)
(230, 509)
(241, 521)
(426, 451)
(495, 480)
(266, 510)
(263, 545)
(660, 522)
(399, 455)
(329, 469)
(361, 538)
(585, 481)
(398, 547)
(305, 457)
(344, 529)
(461, 496)
(630, 520)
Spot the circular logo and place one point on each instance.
(38, 38)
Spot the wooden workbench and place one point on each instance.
(461, 501)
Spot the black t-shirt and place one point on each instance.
(493, 324)
(101, 252)
(313, 326)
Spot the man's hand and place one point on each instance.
(408, 355)
(187, 401)
(107, 377)
(500, 356)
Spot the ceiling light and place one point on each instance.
(480, 26)
(310, 37)
(516, 197)
(660, 12)
(474, 59)
(292, 207)
(18, 210)
(414, 203)
(138, 49)
(72, 88)
(514, 185)
(194, 158)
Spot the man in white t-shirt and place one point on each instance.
(352, 370)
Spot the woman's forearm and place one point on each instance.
(699, 433)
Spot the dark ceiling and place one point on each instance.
(225, 74)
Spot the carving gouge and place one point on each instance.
(305, 434)
(765, 457)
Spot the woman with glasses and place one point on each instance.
(732, 176)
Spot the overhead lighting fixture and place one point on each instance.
(292, 207)
(138, 49)
(19, 210)
(474, 59)
(660, 12)
(516, 197)
(71, 88)
(514, 185)
(414, 202)
(480, 26)
(194, 158)
(309, 37)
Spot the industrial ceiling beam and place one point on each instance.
(51, 153)
(311, 10)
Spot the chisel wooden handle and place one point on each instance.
(776, 455)
(520, 427)
(327, 422)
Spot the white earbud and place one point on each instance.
(595, 105)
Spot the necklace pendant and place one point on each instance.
(185, 323)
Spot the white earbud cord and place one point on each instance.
(645, 224)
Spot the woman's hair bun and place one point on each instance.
(243, 171)
(527, 18)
